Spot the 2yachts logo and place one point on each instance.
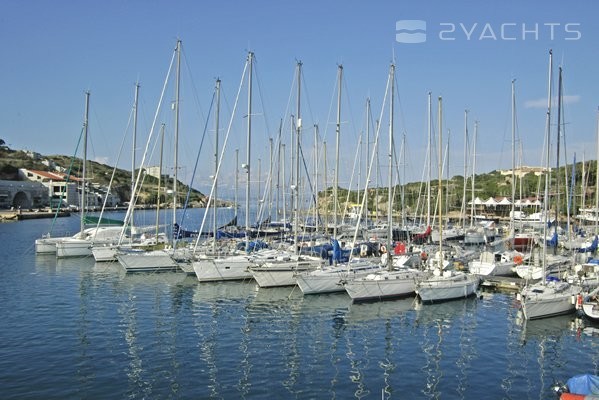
(414, 31)
(410, 31)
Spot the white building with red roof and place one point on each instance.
(62, 189)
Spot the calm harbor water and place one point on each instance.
(76, 329)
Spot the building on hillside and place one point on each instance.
(523, 171)
(23, 195)
(65, 190)
(62, 191)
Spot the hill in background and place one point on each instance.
(12, 160)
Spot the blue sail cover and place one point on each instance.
(336, 250)
(553, 241)
(583, 384)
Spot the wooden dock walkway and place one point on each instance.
(18, 215)
(502, 283)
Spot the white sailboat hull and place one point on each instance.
(591, 310)
(71, 247)
(222, 269)
(324, 283)
(46, 245)
(546, 300)
(329, 279)
(491, 268)
(383, 285)
(443, 288)
(282, 273)
(149, 261)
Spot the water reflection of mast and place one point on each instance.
(468, 325)
(85, 325)
(128, 311)
(432, 350)
(364, 318)
(437, 321)
(291, 348)
(516, 367)
(549, 333)
(206, 325)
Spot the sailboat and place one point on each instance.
(221, 264)
(445, 283)
(504, 262)
(98, 229)
(330, 278)
(590, 305)
(207, 261)
(168, 258)
(549, 296)
(80, 245)
(283, 270)
(398, 279)
(140, 238)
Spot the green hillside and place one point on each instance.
(12, 160)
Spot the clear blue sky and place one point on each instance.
(52, 51)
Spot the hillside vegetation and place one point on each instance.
(412, 195)
(97, 173)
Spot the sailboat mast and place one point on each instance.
(279, 172)
(236, 195)
(282, 161)
(430, 152)
(465, 168)
(390, 171)
(337, 139)
(403, 187)
(134, 144)
(326, 186)
(597, 181)
(559, 123)
(259, 192)
(512, 224)
(473, 171)
(216, 151)
(298, 126)
(447, 175)
(316, 160)
(248, 151)
(547, 139)
(271, 153)
(83, 201)
(159, 181)
(440, 122)
(367, 155)
(176, 160)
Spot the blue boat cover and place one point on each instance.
(553, 241)
(583, 384)
(591, 248)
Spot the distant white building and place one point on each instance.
(522, 171)
(61, 190)
(65, 190)
(154, 171)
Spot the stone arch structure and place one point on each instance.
(21, 200)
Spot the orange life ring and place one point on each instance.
(518, 259)
(383, 249)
